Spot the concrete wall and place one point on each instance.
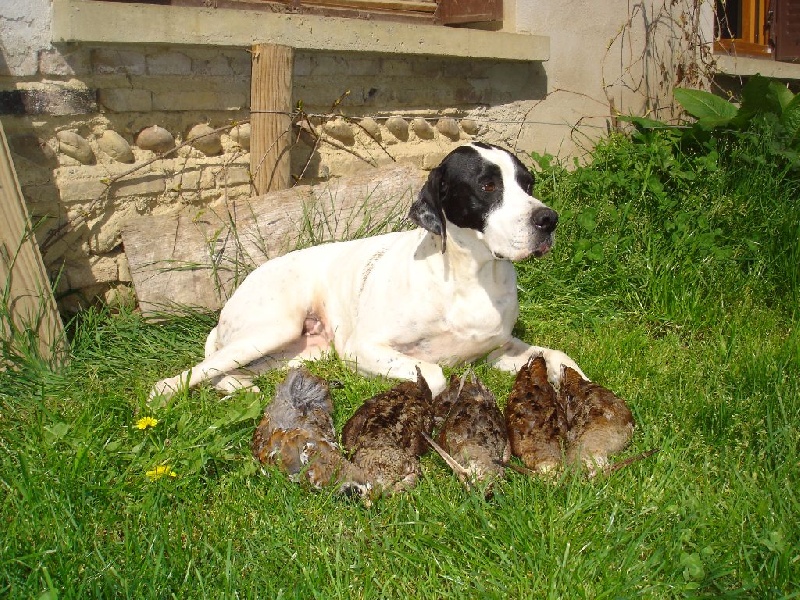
(74, 115)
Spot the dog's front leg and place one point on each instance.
(512, 355)
(373, 359)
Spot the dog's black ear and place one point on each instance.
(427, 211)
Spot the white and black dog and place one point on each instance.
(443, 294)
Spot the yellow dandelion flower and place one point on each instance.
(161, 471)
(146, 422)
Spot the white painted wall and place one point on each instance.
(24, 31)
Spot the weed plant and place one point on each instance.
(674, 282)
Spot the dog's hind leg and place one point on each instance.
(218, 365)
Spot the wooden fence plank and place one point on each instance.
(271, 123)
(29, 305)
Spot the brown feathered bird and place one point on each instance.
(536, 422)
(296, 434)
(385, 436)
(600, 423)
(472, 439)
(446, 399)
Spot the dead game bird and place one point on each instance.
(297, 434)
(536, 422)
(600, 423)
(445, 400)
(385, 435)
(472, 439)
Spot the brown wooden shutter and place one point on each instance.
(786, 29)
(453, 12)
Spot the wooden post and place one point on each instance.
(30, 307)
(270, 120)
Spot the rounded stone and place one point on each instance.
(74, 146)
(115, 146)
(422, 128)
(469, 126)
(398, 127)
(156, 139)
(449, 128)
(372, 128)
(241, 135)
(202, 137)
(341, 130)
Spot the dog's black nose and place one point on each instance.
(545, 219)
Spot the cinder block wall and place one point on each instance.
(75, 122)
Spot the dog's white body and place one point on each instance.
(390, 303)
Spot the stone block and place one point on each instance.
(110, 61)
(186, 180)
(196, 100)
(32, 148)
(125, 100)
(146, 185)
(91, 271)
(302, 65)
(42, 198)
(64, 63)
(169, 63)
(212, 66)
(74, 191)
(240, 62)
(396, 67)
(52, 100)
(233, 176)
(337, 67)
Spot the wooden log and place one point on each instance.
(29, 307)
(270, 120)
(197, 260)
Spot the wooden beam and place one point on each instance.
(270, 120)
(29, 308)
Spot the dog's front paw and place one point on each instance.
(556, 361)
(434, 377)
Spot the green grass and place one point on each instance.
(700, 337)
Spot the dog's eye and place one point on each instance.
(489, 186)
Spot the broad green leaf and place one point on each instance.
(759, 95)
(707, 123)
(55, 432)
(782, 95)
(705, 105)
(791, 117)
(643, 122)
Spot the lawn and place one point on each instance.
(675, 282)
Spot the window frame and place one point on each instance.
(754, 25)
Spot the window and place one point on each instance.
(769, 28)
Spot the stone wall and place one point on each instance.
(99, 134)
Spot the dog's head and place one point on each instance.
(487, 189)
